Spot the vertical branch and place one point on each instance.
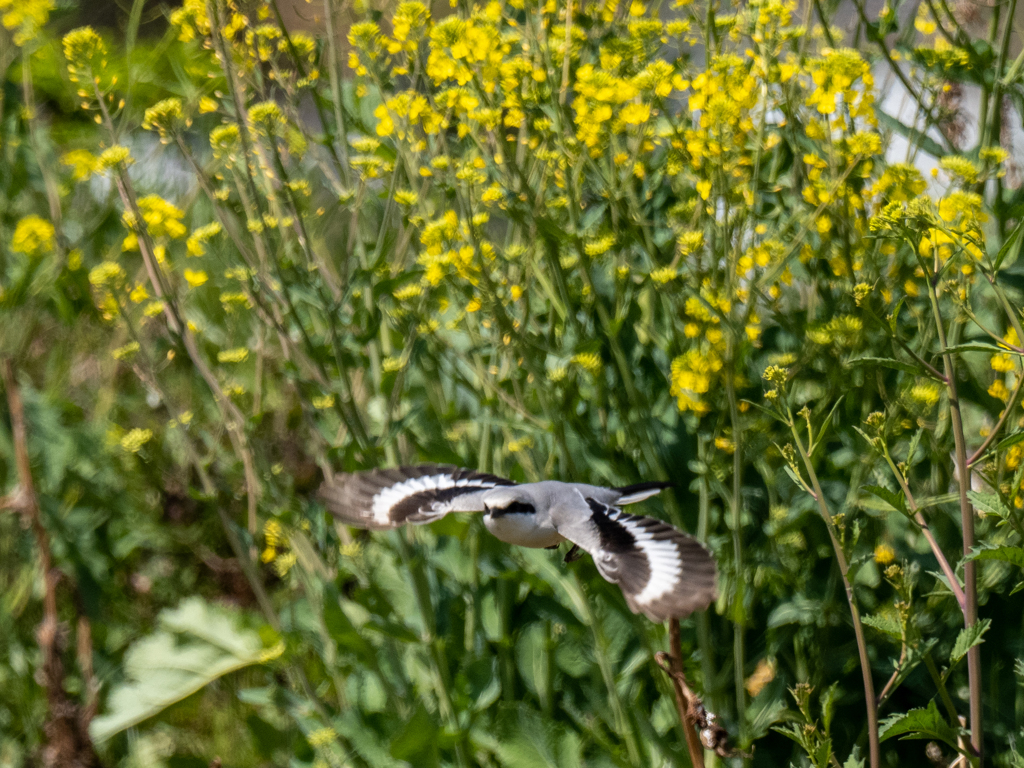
(684, 697)
(963, 472)
(67, 725)
(738, 650)
(874, 750)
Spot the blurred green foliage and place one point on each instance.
(541, 240)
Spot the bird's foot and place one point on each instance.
(573, 554)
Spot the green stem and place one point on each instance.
(967, 526)
(874, 751)
(738, 649)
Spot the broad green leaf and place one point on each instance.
(924, 723)
(968, 638)
(195, 645)
(989, 503)
(884, 623)
(854, 760)
(1013, 555)
(892, 498)
(530, 741)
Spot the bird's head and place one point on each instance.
(509, 499)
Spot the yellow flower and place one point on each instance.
(166, 117)
(999, 390)
(266, 117)
(599, 246)
(237, 355)
(195, 242)
(884, 554)
(926, 393)
(588, 361)
(114, 157)
(82, 162)
(107, 272)
(635, 114)
(195, 277)
(323, 402)
(392, 364)
(664, 275)
(25, 17)
(126, 351)
(134, 440)
(33, 236)
(321, 737)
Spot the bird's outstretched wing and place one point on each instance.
(387, 498)
(663, 572)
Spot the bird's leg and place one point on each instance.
(573, 554)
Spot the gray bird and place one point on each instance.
(663, 572)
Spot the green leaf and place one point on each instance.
(968, 638)
(924, 723)
(893, 499)
(894, 318)
(913, 135)
(888, 362)
(1008, 442)
(884, 623)
(977, 346)
(419, 736)
(1013, 555)
(854, 760)
(195, 645)
(989, 503)
(1012, 243)
(796, 478)
(528, 740)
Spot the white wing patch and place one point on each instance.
(386, 499)
(662, 556)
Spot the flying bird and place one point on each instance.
(663, 572)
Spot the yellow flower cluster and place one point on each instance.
(691, 378)
(33, 236)
(136, 439)
(25, 17)
(162, 219)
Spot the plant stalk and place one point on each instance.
(874, 750)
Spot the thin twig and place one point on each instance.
(947, 569)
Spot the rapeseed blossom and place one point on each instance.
(33, 236)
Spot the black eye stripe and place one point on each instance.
(515, 508)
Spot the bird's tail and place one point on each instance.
(634, 493)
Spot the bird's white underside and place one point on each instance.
(522, 529)
(387, 498)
